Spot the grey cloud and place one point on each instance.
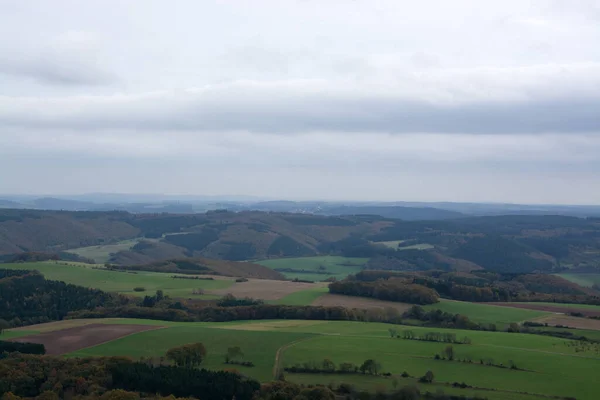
(273, 108)
(51, 71)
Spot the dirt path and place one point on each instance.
(278, 355)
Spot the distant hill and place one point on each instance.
(218, 235)
(508, 244)
(397, 212)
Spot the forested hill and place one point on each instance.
(503, 243)
(217, 234)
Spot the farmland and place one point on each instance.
(586, 280)
(102, 253)
(122, 282)
(548, 366)
(486, 313)
(282, 292)
(316, 268)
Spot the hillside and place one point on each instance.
(508, 244)
(217, 235)
(203, 266)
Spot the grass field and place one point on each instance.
(486, 313)
(392, 244)
(586, 280)
(553, 368)
(123, 282)
(418, 246)
(259, 347)
(338, 267)
(396, 245)
(102, 253)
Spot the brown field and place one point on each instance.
(264, 289)
(571, 322)
(554, 308)
(80, 337)
(333, 300)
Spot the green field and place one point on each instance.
(101, 254)
(338, 267)
(395, 244)
(487, 313)
(586, 280)
(392, 244)
(418, 246)
(122, 282)
(552, 367)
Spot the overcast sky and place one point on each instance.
(313, 99)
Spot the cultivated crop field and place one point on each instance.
(317, 268)
(547, 366)
(338, 300)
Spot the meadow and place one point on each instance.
(102, 253)
(586, 280)
(550, 366)
(335, 266)
(122, 282)
(487, 313)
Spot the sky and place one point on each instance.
(308, 99)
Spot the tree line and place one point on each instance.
(68, 378)
(327, 366)
(486, 286)
(28, 298)
(391, 289)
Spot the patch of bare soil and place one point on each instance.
(264, 289)
(72, 339)
(549, 308)
(571, 322)
(335, 300)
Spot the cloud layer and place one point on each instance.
(304, 99)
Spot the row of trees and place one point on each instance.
(327, 366)
(24, 348)
(486, 286)
(442, 337)
(28, 298)
(392, 289)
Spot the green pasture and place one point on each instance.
(259, 347)
(102, 253)
(392, 244)
(418, 246)
(487, 313)
(376, 383)
(552, 367)
(122, 282)
(336, 266)
(586, 280)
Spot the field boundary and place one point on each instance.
(120, 337)
(279, 353)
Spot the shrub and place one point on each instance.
(139, 289)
